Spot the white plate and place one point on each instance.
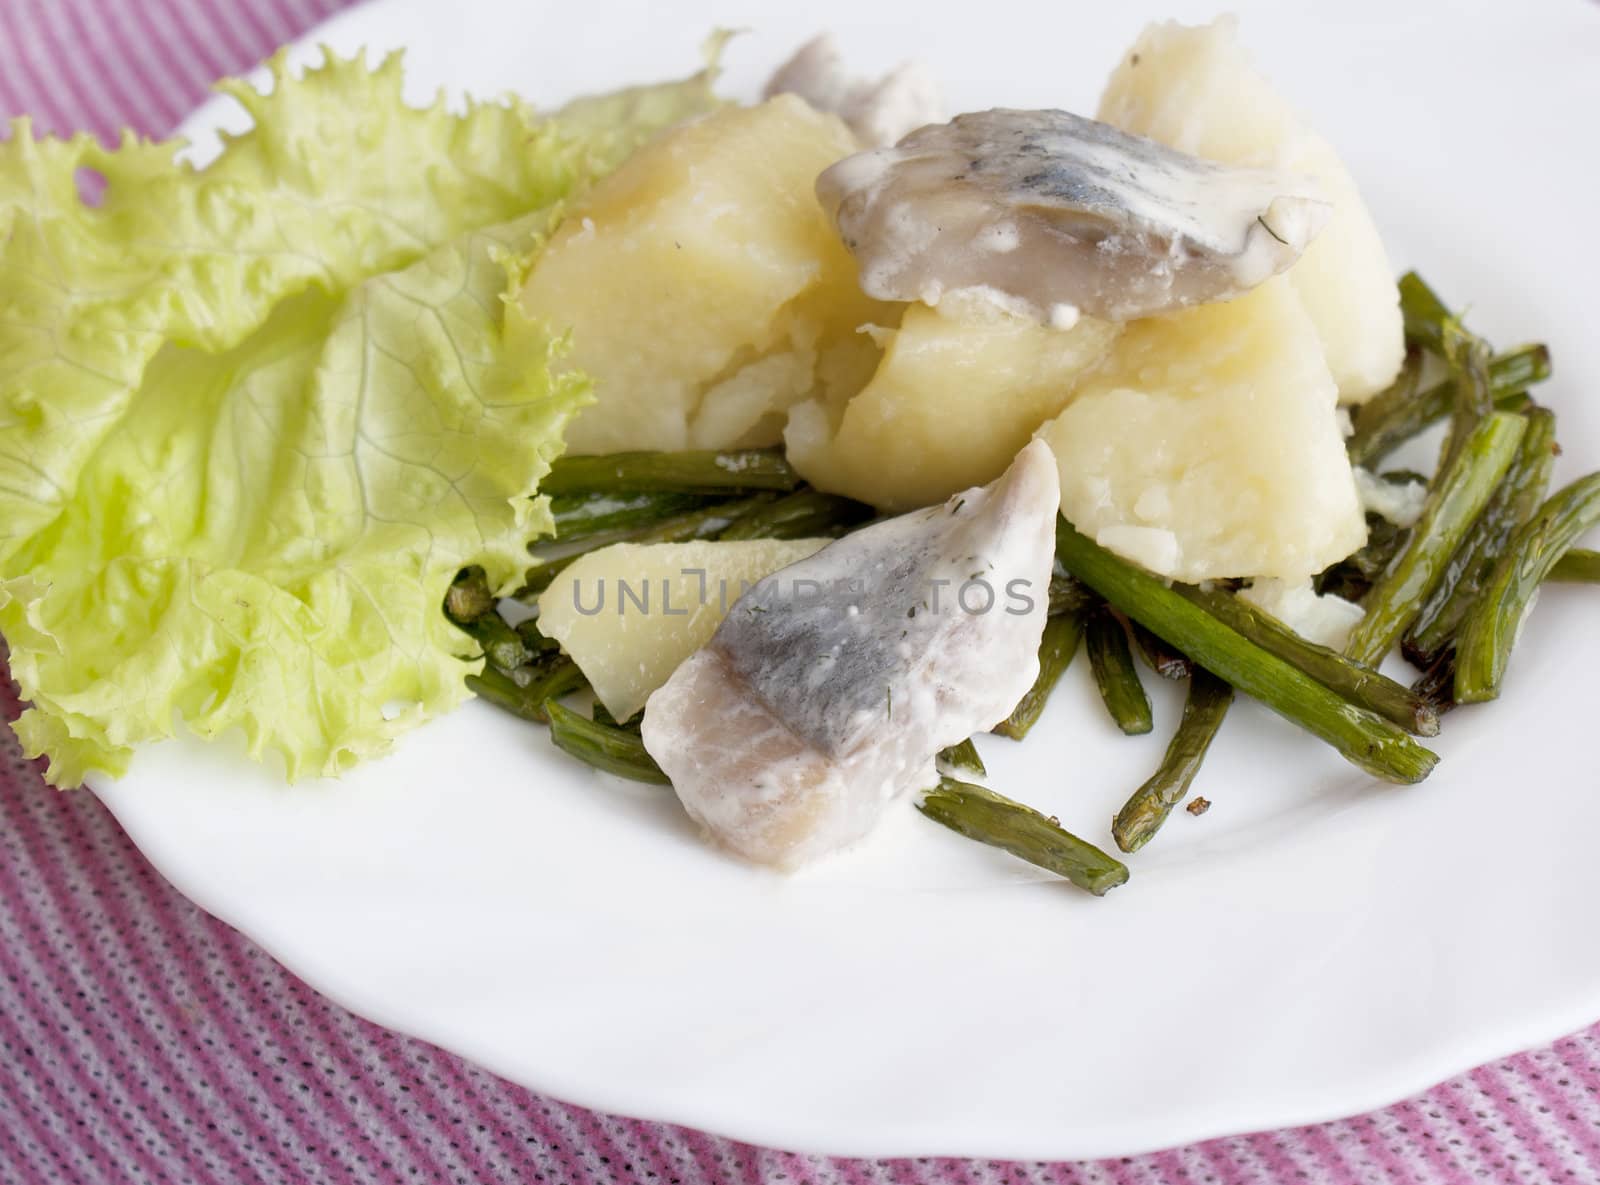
(1315, 946)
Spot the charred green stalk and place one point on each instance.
(1483, 647)
(544, 682)
(1067, 592)
(1458, 496)
(1203, 712)
(1396, 415)
(535, 639)
(1353, 577)
(502, 646)
(996, 820)
(1514, 502)
(1424, 313)
(603, 716)
(1106, 640)
(1578, 566)
(541, 577)
(709, 522)
(1353, 681)
(1057, 646)
(1366, 739)
(472, 607)
(801, 515)
(1159, 657)
(1518, 369)
(705, 472)
(1437, 684)
(961, 759)
(1473, 399)
(469, 597)
(612, 750)
(586, 515)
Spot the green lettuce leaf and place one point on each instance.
(199, 258)
(255, 416)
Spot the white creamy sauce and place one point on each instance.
(1064, 316)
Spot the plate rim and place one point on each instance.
(1435, 1064)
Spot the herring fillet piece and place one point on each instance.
(1052, 215)
(831, 684)
(878, 112)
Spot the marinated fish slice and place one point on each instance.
(831, 684)
(1051, 215)
(878, 112)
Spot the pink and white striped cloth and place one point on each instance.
(142, 1041)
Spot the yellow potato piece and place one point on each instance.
(628, 614)
(1195, 89)
(950, 405)
(1206, 446)
(702, 283)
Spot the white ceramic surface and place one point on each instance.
(1315, 946)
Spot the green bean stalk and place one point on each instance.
(1106, 640)
(1356, 682)
(609, 749)
(1437, 684)
(1353, 577)
(1424, 313)
(1401, 412)
(1483, 648)
(602, 715)
(472, 607)
(1469, 570)
(469, 597)
(703, 472)
(1147, 809)
(1364, 738)
(996, 820)
(1162, 659)
(590, 515)
(1578, 566)
(1057, 647)
(1457, 497)
(531, 696)
(961, 759)
(708, 522)
(801, 515)
(1473, 399)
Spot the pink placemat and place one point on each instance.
(141, 1040)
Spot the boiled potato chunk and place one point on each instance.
(954, 398)
(628, 614)
(702, 283)
(1207, 445)
(1195, 89)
